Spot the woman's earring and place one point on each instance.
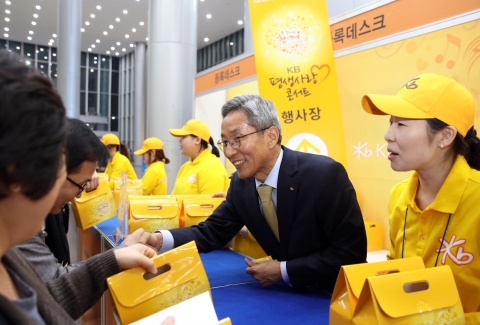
(15, 188)
(441, 145)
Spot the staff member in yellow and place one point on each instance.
(434, 214)
(119, 161)
(203, 173)
(154, 181)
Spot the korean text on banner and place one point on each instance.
(296, 71)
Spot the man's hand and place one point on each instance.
(169, 321)
(140, 236)
(265, 272)
(93, 184)
(136, 255)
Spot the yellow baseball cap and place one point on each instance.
(110, 139)
(150, 144)
(195, 127)
(425, 97)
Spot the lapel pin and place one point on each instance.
(291, 188)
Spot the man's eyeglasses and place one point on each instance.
(234, 140)
(81, 188)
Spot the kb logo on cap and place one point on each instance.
(411, 84)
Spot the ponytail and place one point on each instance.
(215, 150)
(470, 148)
(124, 150)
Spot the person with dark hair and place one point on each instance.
(119, 159)
(154, 180)
(301, 208)
(32, 172)
(434, 214)
(204, 173)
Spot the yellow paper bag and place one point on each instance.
(374, 235)
(198, 210)
(95, 206)
(180, 276)
(134, 187)
(181, 197)
(420, 297)
(351, 279)
(247, 245)
(225, 321)
(153, 214)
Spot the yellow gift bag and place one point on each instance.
(198, 210)
(153, 214)
(374, 235)
(181, 197)
(225, 321)
(95, 206)
(134, 187)
(351, 279)
(247, 245)
(180, 276)
(420, 297)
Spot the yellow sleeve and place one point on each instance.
(149, 180)
(116, 172)
(212, 179)
(162, 188)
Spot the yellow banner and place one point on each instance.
(296, 71)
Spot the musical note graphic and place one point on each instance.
(454, 41)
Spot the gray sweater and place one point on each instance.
(62, 300)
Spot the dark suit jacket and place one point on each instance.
(320, 223)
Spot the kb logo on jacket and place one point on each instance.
(192, 179)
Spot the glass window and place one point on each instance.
(104, 104)
(82, 103)
(83, 59)
(104, 76)
(53, 73)
(92, 79)
(93, 60)
(42, 53)
(114, 124)
(15, 46)
(115, 81)
(115, 63)
(98, 126)
(53, 52)
(114, 105)
(29, 50)
(43, 67)
(105, 62)
(83, 72)
(3, 43)
(92, 104)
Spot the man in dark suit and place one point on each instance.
(318, 224)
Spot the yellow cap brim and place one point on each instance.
(178, 132)
(392, 105)
(140, 152)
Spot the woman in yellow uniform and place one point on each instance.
(434, 214)
(154, 180)
(119, 161)
(204, 173)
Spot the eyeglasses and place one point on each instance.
(81, 188)
(234, 140)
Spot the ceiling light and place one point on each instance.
(29, 38)
(41, 49)
(7, 19)
(108, 52)
(206, 39)
(103, 59)
(240, 22)
(146, 38)
(6, 35)
(131, 45)
(134, 30)
(91, 70)
(18, 47)
(125, 12)
(87, 23)
(35, 16)
(82, 29)
(118, 43)
(38, 7)
(6, 29)
(111, 26)
(117, 19)
(7, 11)
(105, 33)
(34, 23)
(41, 66)
(98, 41)
(28, 54)
(116, 53)
(49, 44)
(209, 16)
(51, 41)
(89, 50)
(54, 35)
(45, 57)
(202, 0)
(124, 49)
(28, 62)
(127, 36)
(142, 23)
(54, 54)
(113, 48)
(231, 43)
(8, 2)
(99, 7)
(92, 15)
(93, 46)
